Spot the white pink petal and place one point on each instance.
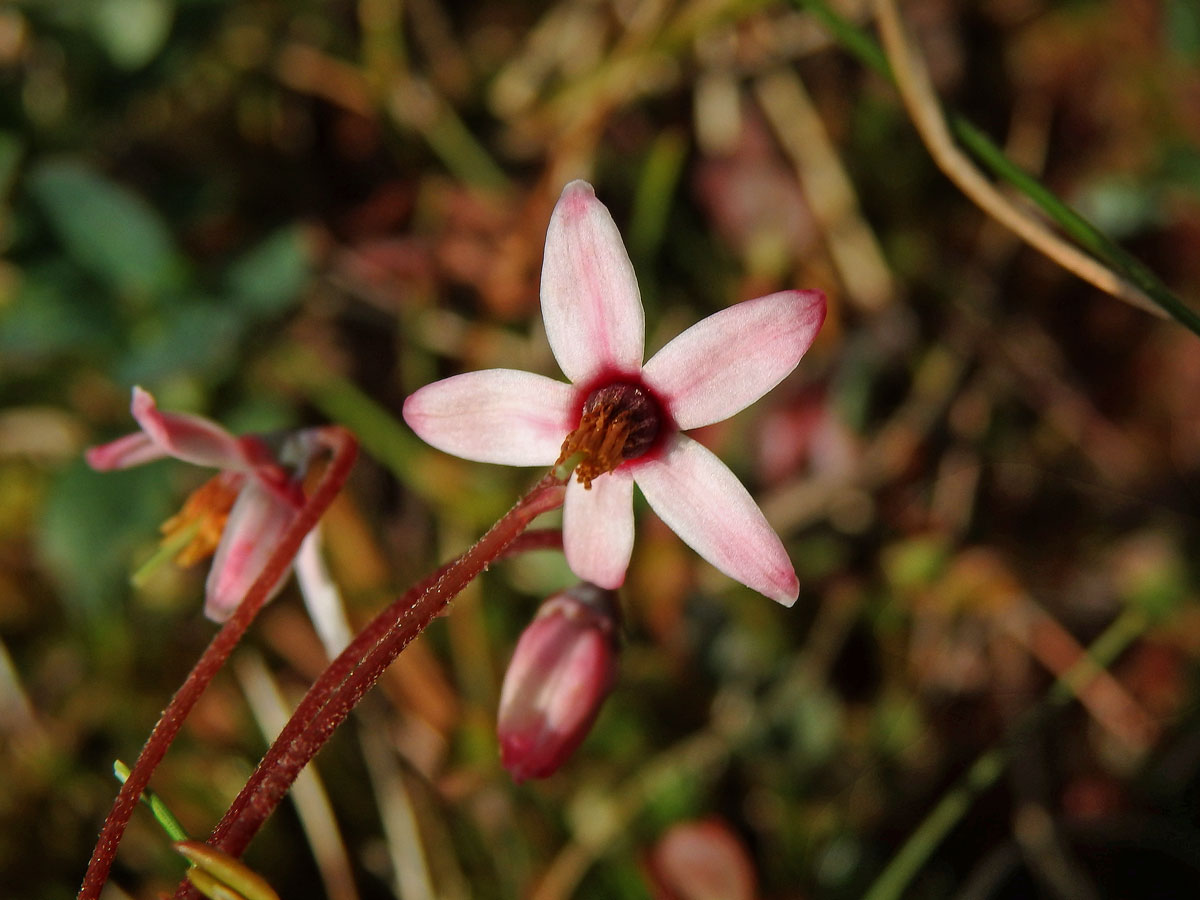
(125, 452)
(191, 438)
(500, 416)
(256, 523)
(591, 303)
(703, 502)
(598, 529)
(727, 361)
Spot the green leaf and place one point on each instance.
(107, 229)
(194, 336)
(132, 31)
(91, 523)
(1086, 235)
(162, 813)
(1181, 28)
(914, 563)
(52, 314)
(1181, 167)
(11, 148)
(269, 278)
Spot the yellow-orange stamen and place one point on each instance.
(205, 510)
(619, 422)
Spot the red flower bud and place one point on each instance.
(562, 669)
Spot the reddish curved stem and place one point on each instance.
(344, 448)
(347, 679)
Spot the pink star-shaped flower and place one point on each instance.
(239, 513)
(625, 419)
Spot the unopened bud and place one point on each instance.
(563, 667)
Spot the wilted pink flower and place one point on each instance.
(627, 419)
(239, 513)
(563, 667)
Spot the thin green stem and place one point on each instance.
(166, 551)
(856, 40)
(987, 769)
(158, 806)
(1080, 229)
(339, 399)
(562, 470)
(859, 42)
(656, 185)
(462, 153)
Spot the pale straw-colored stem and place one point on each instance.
(916, 91)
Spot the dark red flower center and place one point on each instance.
(620, 421)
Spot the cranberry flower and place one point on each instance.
(625, 420)
(238, 513)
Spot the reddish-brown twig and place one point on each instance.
(344, 448)
(347, 679)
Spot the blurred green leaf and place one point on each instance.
(132, 31)
(819, 556)
(195, 337)
(896, 725)
(108, 230)
(11, 148)
(53, 313)
(1181, 167)
(1181, 27)
(914, 563)
(657, 182)
(1121, 207)
(269, 278)
(817, 724)
(676, 794)
(91, 523)
(1153, 578)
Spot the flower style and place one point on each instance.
(238, 513)
(625, 420)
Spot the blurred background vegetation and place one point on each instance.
(280, 214)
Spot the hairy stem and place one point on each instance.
(344, 448)
(348, 678)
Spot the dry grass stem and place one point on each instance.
(852, 245)
(916, 91)
(1113, 708)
